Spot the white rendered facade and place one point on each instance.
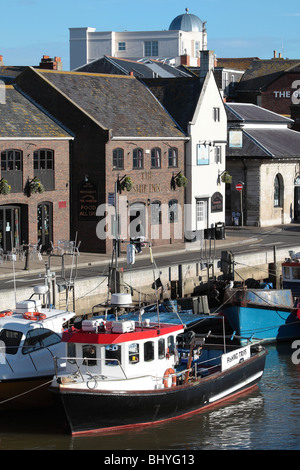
(87, 44)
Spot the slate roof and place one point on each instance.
(8, 73)
(119, 103)
(262, 141)
(247, 112)
(20, 118)
(179, 96)
(142, 69)
(238, 63)
(262, 73)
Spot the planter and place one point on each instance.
(5, 188)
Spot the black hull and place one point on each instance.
(95, 411)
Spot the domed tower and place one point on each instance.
(193, 36)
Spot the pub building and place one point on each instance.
(34, 179)
(126, 147)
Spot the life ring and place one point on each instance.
(34, 316)
(6, 313)
(166, 377)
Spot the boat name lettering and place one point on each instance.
(232, 358)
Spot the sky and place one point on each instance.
(33, 28)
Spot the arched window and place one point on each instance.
(278, 191)
(43, 165)
(156, 158)
(118, 159)
(173, 210)
(155, 212)
(138, 159)
(12, 169)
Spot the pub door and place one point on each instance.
(297, 204)
(9, 227)
(44, 224)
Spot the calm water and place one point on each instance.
(267, 418)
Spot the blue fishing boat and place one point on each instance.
(265, 314)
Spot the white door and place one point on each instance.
(201, 214)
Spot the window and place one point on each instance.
(71, 352)
(216, 114)
(173, 210)
(122, 46)
(112, 355)
(171, 345)
(151, 48)
(278, 191)
(39, 338)
(156, 158)
(118, 159)
(218, 154)
(138, 159)
(155, 213)
(89, 355)
(173, 157)
(43, 165)
(161, 348)
(11, 339)
(149, 351)
(12, 169)
(134, 353)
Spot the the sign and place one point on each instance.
(239, 187)
(235, 357)
(217, 202)
(88, 201)
(236, 139)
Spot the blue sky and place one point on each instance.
(32, 28)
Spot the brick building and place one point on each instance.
(32, 145)
(120, 130)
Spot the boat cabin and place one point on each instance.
(122, 349)
(291, 273)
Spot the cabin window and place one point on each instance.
(286, 272)
(11, 339)
(296, 273)
(149, 351)
(89, 354)
(71, 352)
(161, 348)
(38, 339)
(134, 353)
(171, 345)
(112, 355)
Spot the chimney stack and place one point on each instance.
(207, 62)
(50, 64)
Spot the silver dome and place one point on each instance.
(186, 22)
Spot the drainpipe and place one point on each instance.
(244, 195)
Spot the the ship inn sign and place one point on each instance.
(88, 201)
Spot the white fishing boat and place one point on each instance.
(30, 336)
(122, 374)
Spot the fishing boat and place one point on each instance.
(124, 373)
(265, 314)
(30, 336)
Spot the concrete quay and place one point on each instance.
(90, 288)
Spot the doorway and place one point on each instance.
(201, 214)
(297, 204)
(9, 227)
(44, 224)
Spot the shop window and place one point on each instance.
(12, 169)
(43, 165)
(173, 210)
(155, 213)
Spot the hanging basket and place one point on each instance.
(126, 183)
(5, 188)
(181, 180)
(35, 186)
(226, 178)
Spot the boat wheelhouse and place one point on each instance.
(291, 273)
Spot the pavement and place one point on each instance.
(35, 264)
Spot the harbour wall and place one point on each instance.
(179, 280)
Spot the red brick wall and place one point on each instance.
(59, 197)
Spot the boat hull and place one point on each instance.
(25, 394)
(266, 324)
(91, 411)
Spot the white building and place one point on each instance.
(181, 43)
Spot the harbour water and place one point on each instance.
(266, 418)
